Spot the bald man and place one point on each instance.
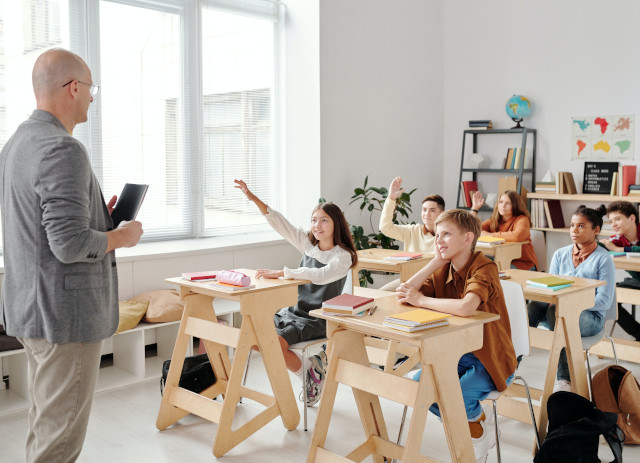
(60, 288)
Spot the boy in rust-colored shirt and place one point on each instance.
(460, 281)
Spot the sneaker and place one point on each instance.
(316, 375)
(487, 441)
(562, 385)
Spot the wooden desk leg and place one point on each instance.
(575, 356)
(350, 346)
(276, 369)
(197, 306)
(440, 357)
(550, 378)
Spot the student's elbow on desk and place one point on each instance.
(468, 305)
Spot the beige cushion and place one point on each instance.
(131, 312)
(164, 305)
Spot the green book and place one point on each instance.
(546, 282)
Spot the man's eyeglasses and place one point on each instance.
(93, 90)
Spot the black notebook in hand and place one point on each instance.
(128, 203)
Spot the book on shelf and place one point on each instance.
(517, 158)
(416, 320)
(633, 187)
(348, 304)
(468, 186)
(628, 178)
(490, 240)
(405, 256)
(553, 211)
(509, 161)
(549, 281)
(546, 187)
(614, 184)
(199, 276)
(228, 287)
(481, 124)
(566, 183)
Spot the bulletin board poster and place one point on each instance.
(602, 138)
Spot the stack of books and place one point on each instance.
(347, 305)
(634, 190)
(416, 320)
(548, 187)
(481, 124)
(566, 184)
(490, 240)
(549, 283)
(405, 256)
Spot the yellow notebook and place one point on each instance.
(417, 317)
(490, 240)
(549, 281)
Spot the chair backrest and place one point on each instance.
(518, 318)
(540, 248)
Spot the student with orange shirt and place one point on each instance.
(459, 281)
(510, 220)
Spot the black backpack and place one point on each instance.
(575, 425)
(197, 374)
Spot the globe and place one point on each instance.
(518, 107)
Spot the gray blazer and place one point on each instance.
(59, 283)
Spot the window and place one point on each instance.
(188, 100)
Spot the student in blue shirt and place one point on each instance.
(584, 259)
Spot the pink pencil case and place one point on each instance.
(233, 278)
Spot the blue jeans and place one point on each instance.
(542, 313)
(475, 382)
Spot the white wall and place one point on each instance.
(380, 97)
(571, 58)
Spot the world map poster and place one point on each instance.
(601, 138)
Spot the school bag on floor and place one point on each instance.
(575, 426)
(616, 390)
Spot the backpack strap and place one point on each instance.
(614, 438)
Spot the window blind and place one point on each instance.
(188, 100)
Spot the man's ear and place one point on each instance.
(468, 240)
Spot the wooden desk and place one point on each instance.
(570, 302)
(503, 253)
(626, 349)
(257, 306)
(374, 259)
(440, 350)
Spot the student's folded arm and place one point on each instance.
(521, 230)
(335, 269)
(387, 227)
(294, 235)
(464, 307)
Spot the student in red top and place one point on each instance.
(510, 220)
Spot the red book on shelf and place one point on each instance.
(628, 178)
(468, 186)
(554, 210)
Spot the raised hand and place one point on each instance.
(395, 189)
(477, 201)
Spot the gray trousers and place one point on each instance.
(62, 380)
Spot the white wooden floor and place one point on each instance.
(122, 428)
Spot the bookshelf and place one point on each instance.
(519, 172)
(582, 198)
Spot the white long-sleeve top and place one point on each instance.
(336, 261)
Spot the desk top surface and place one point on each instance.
(579, 284)
(260, 284)
(388, 305)
(378, 255)
(627, 263)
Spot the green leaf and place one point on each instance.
(371, 206)
(321, 200)
(358, 191)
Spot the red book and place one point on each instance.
(468, 186)
(348, 303)
(628, 178)
(554, 210)
(199, 276)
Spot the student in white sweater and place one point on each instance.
(328, 253)
(416, 237)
